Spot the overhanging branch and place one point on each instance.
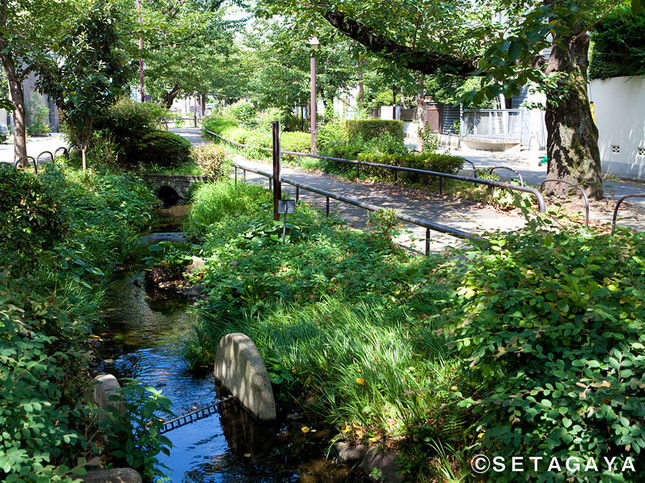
(422, 61)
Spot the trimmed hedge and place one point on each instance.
(443, 163)
(367, 129)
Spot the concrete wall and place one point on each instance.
(619, 105)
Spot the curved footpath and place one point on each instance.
(457, 213)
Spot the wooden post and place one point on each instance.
(277, 185)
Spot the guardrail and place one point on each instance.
(441, 176)
(428, 225)
(620, 202)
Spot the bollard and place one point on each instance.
(427, 241)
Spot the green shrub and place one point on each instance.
(299, 142)
(46, 423)
(217, 125)
(367, 129)
(129, 121)
(268, 117)
(210, 158)
(618, 45)
(31, 219)
(38, 115)
(162, 148)
(550, 324)
(242, 112)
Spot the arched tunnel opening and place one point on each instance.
(168, 196)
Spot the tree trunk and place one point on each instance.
(18, 99)
(169, 97)
(572, 142)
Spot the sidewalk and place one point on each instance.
(35, 146)
(462, 214)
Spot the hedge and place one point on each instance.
(367, 129)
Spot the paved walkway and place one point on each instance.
(527, 164)
(464, 215)
(35, 146)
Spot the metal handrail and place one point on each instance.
(525, 189)
(620, 201)
(65, 152)
(584, 195)
(51, 155)
(519, 175)
(15, 165)
(428, 225)
(473, 165)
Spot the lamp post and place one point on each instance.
(143, 95)
(313, 44)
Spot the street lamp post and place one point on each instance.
(143, 95)
(313, 43)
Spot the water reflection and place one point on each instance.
(145, 342)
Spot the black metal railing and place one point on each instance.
(441, 176)
(428, 225)
(36, 160)
(618, 203)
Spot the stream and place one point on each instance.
(143, 340)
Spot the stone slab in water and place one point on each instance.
(240, 368)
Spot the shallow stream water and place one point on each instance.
(144, 340)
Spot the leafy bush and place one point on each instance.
(162, 148)
(210, 158)
(242, 112)
(135, 439)
(31, 219)
(268, 117)
(551, 326)
(367, 129)
(46, 424)
(41, 358)
(299, 142)
(129, 121)
(38, 115)
(618, 47)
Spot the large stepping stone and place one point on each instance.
(240, 368)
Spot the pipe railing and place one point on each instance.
(405, 169)
(51, 156)
(584, 195)
(36, 160)
(428, 225)
(19, 160)
(620, 202)
(517, 173)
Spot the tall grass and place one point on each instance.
(347, 323)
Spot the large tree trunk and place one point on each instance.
(572, 142)
(18, 99)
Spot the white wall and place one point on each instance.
(619, 105)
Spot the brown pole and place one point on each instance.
(314, 150)
(277, 185)
(143, 95)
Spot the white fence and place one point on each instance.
(505, 124)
